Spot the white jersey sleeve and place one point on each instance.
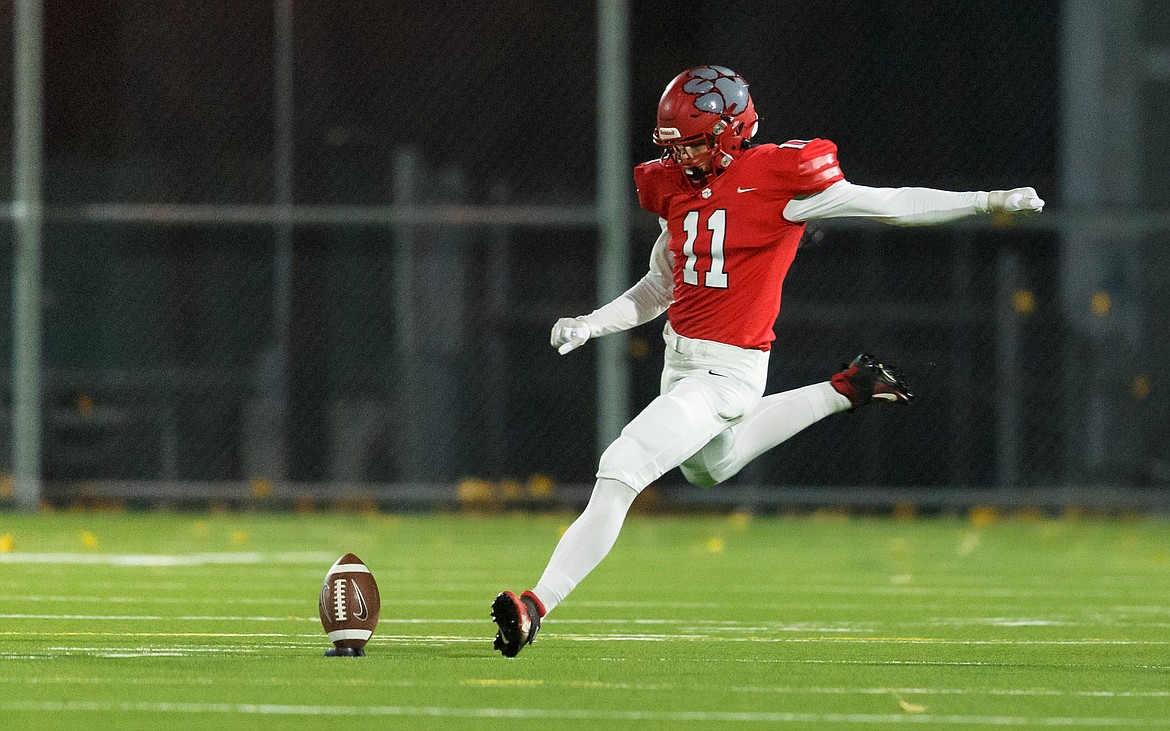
(646, 300)
(900, 206)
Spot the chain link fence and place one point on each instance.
(197, 331)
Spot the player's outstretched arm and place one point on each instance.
(910, 206)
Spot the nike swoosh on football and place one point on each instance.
(363, 611)
(717, 374)
(744, 190)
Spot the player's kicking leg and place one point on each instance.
(777, 418)
(866, 380)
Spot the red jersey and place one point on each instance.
(732, 245)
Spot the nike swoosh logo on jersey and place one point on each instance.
(744, 190)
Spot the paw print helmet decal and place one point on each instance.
(705, 104)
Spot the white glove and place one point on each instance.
(1016, 200)
(569, 333)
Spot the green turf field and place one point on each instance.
(210, 621)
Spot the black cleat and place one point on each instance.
(866, 380)
(518, 619)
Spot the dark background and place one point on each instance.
(160, 337)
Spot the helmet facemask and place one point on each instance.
(708, 160)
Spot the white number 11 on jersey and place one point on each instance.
(715, 278)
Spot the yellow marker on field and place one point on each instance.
(540, 486)
(89, 540)
(714, 545)
(983, 515)
(6, 543)
(239, 538)
(474, 490)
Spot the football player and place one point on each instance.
(732, 215)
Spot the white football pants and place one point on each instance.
(709, 420)
(707, 387)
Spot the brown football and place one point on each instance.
(349, 603)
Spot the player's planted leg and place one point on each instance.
(518, 619)
(584, 544)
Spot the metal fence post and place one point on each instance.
(613, 180)
(26, 291)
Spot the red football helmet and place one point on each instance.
(708, 104)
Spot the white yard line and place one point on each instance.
(1100, 617)
(155, 618)
(699, 630)
(949, 591)
(153, 634)
(589, 684)
(66, 599)
(662, 637)
(716, 626)
(158, 559)
(699, 625)
(874, 662)
(476, 594)
(605, 637)
(314, 642)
